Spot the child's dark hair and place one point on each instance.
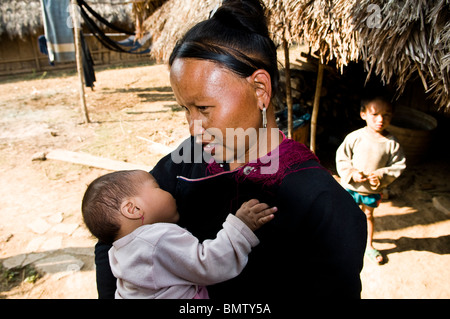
(236, 37)
(101, 203)
(368, 99)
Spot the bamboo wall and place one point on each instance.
(23, 55)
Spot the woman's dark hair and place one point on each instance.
(237, 37)
(101, 203)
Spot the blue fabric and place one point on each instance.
(135, 45)
(58, 30)
(42, 44)
(371, 200)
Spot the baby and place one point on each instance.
(151, 256)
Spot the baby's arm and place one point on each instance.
(255, 214)
(180, 254)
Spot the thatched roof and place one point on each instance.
(394, 39)
(19, 18)
(411, 38)
(323, 24)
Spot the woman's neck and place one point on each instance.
(268, 140)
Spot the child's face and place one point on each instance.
(158, 205)
(377, 115)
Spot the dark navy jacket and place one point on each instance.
(314, 246)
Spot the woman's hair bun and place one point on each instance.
(244, 15)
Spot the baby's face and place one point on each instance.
(158, 205)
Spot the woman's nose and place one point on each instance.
(196, 127)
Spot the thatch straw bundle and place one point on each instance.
(19, 18)
(323, 24)
(142, 10)
(169, 22)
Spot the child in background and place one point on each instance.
(369, 160)
(151, 256)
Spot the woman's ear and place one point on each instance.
(130, 210)
(263, 87)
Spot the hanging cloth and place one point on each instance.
(136, 44)
(58, 31)
(88, 63)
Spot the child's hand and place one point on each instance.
(255, 214)
(374, 180)
(359, 177)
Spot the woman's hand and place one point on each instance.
(255, 214)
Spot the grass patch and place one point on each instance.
(10, 278)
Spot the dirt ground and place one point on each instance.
(40, 219)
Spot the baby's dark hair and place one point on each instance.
(101, 203)
(371, 98)
(236, 37)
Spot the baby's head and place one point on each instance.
(117, 203)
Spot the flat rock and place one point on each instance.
(52, 243)
(67, 229)
(13, 262)
(59, 264)
(39, 226)
(35, 244)
(56, 218)
(5, 238)
(39, 156)
(33, 257)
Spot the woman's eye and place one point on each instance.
(202, 108)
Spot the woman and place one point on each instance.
(224, 73)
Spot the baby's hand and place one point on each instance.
(255, 214)
(359, 177)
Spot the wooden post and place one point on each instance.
(316, 107)
(288, 89)
(35, 54)
(76, 29)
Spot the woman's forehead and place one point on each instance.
(194, 77)
(186, 69)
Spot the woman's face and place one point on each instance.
(215, 99)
